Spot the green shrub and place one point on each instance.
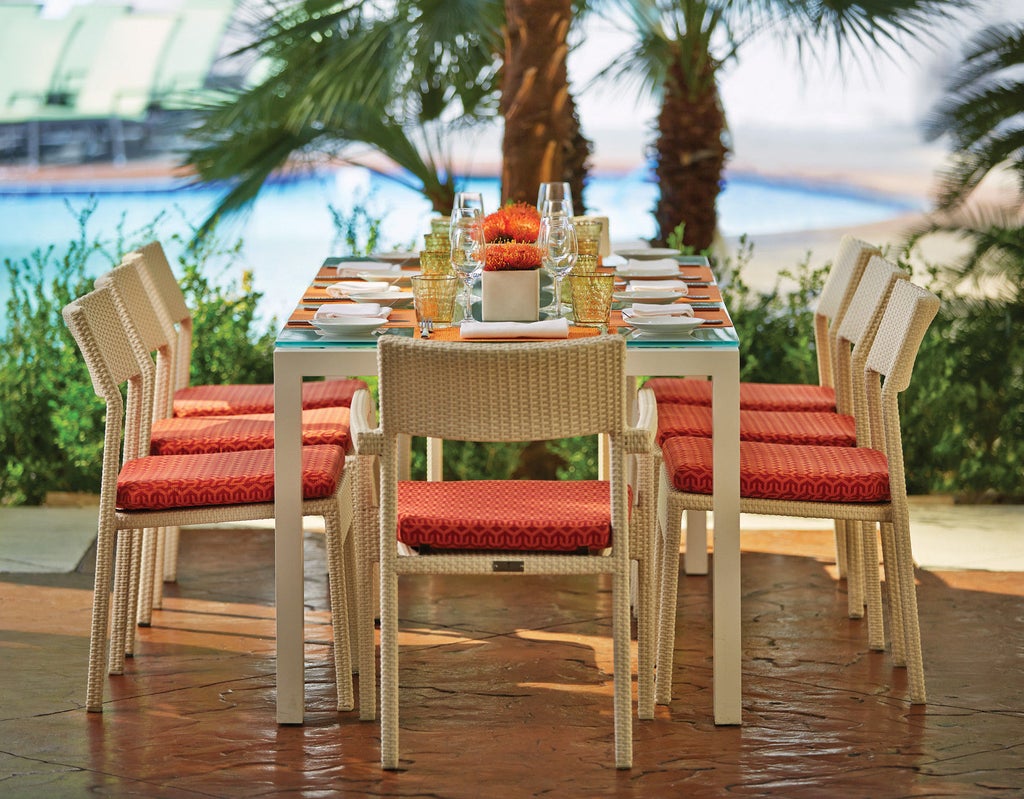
(51, 422)
(776, 329)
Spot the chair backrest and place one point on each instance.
(140, 319)
(169, 303)
(858, 329)
(889, 364)
(112, 360)
(840, 285)
(489, 391)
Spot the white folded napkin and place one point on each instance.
(343, 288)
(647, 309)
(547, 328)
(654, 268)
(337, 310)
(353, 268)
(673, 286)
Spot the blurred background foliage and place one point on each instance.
(963, 423)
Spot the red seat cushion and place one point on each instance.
(196, 434)
(238, 398)
(773, 427)
(159, 482)
(784, 471)
(753, 396)
(520, 515)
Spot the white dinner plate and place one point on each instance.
(656, 297)
(664, 325)
(389, 298)
(395, 257)
(648, 253)
(349, 327)
(635, 271)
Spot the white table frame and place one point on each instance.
(292, 364)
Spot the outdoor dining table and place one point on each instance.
(709, 351)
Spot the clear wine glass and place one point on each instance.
(556, 208)
(557, 243)
(462, 214)
(554, 191)
(468, 252)
(469, 199)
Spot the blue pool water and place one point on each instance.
(290, 229)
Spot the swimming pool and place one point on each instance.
(290, 228)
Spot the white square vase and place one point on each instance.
(511, 296)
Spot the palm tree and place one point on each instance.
(351, 80)
(542, 139)
(981, 113)
(680, 48)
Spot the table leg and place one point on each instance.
(727, 639)
(288, 554)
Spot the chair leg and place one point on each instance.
(840, 534)
(138, 536)
(147, 570)
(367, 555)
(669, 588)
(892, 590)
(696, 558)
(872, 585)
(388, 670)
(854, 571)
(122, 579)
(645, 640)
(171, 539)
(621, 674)
(908, 601)
(339, 611)
(100, 622)
(156, 576)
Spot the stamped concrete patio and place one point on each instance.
(506, 689)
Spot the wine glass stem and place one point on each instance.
(467, 300)
(558, 296)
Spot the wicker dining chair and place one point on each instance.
(507, 392)
(858, 484)
(831, 393)
(193, 435)
(143, 491)
(854, 337)
(180, 398)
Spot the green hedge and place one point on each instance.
(963, 416)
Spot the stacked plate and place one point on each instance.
(655, 320)
(338, 321)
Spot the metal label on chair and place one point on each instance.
(507, 566)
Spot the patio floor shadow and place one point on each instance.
(506, 689)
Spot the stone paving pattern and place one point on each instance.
(506, 690)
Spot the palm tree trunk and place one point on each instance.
(535, 100)
(691, 154)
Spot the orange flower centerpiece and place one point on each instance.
(511, 279)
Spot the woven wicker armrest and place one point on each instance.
(366, 436)
(639, 440)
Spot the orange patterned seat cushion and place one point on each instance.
(239, 398)
(784, 471)
(196, 434)
(159, 482)
(519, 515)
(772, 427)
(753, 396)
